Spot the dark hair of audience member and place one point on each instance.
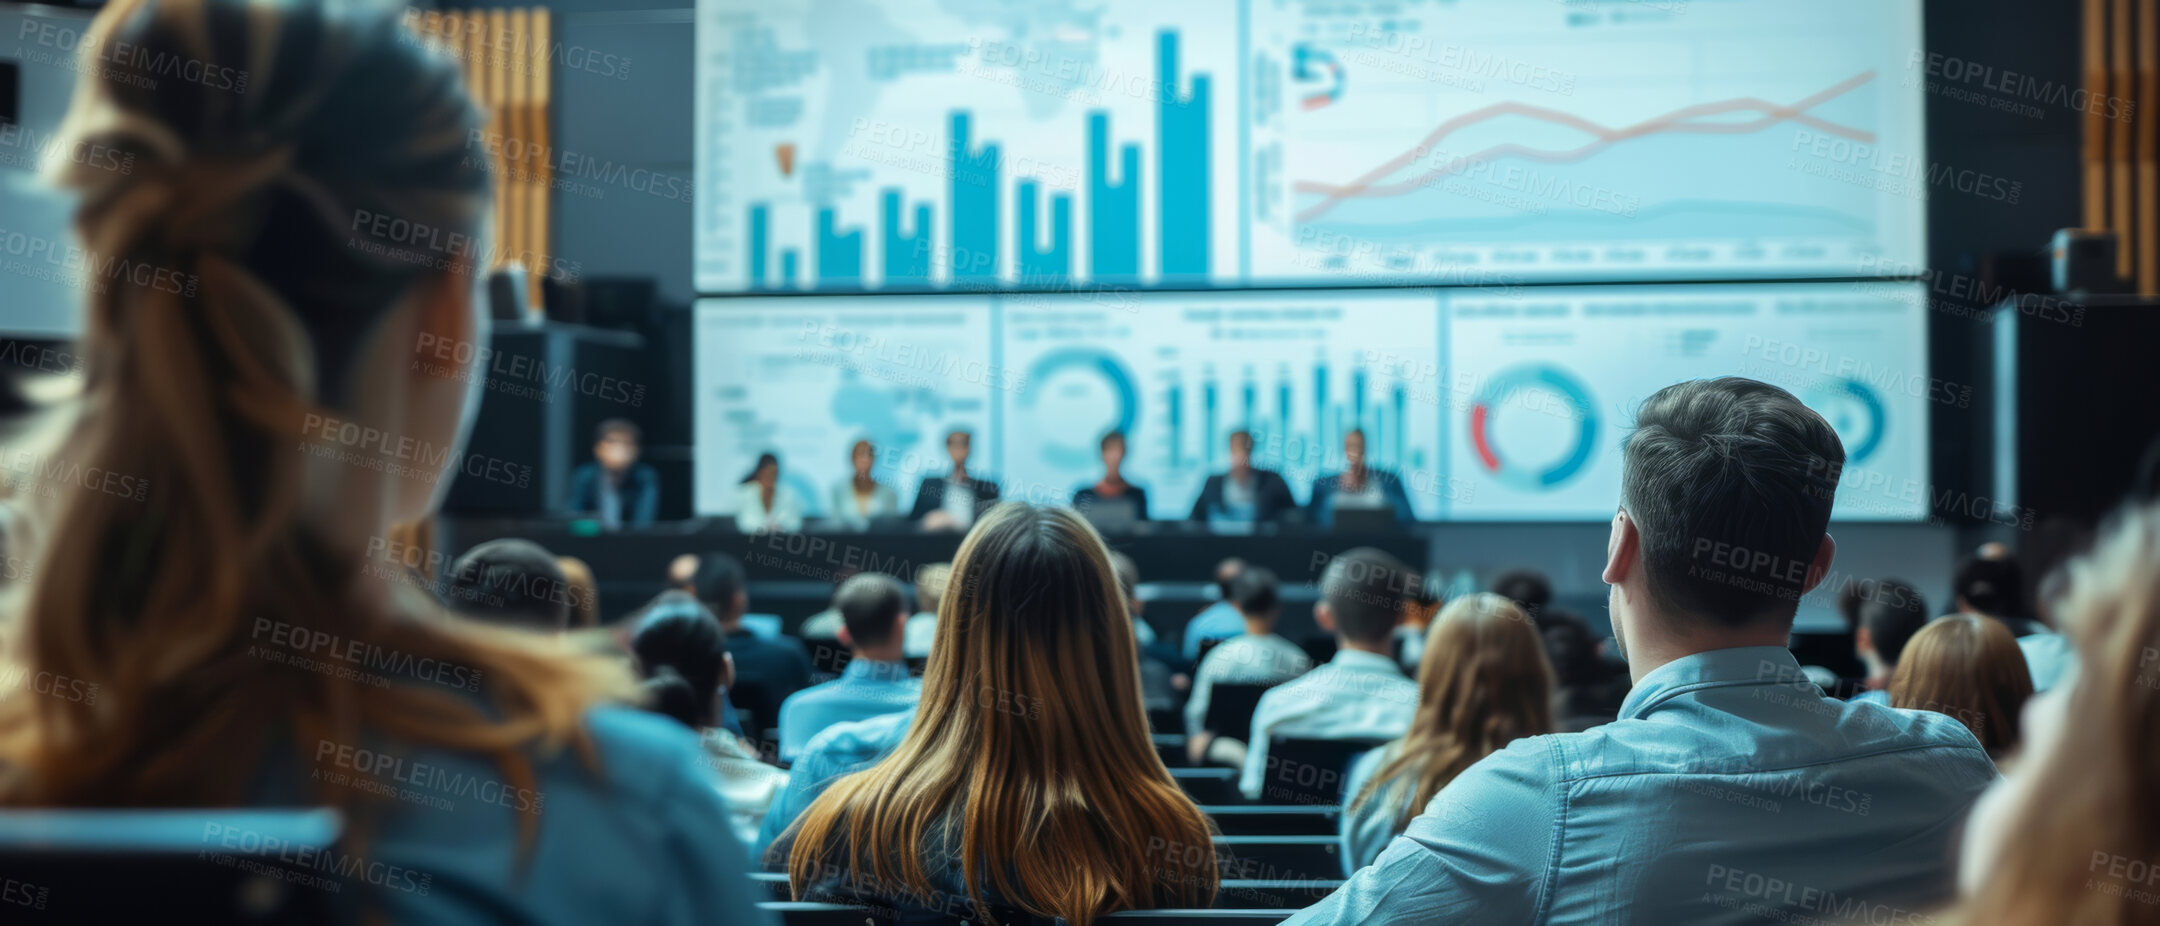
(213, 397)
(614, 427)
(1050, 804)
(1128, 575)
(1528, 588)
(1573, 652)
(682, 652)
(720, 584)
(871, 605)
(1722, 465)
(513, 583)
(1364, 588)
(1891, 615)
(1226, 572)
(1970, 668)
(1256, 592)
(1994, 587)
(2083, 801)
(1483, 682)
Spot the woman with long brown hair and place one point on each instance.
(2072, 835)
(1484, 682)
(1027, 784)
(1970, 668)
(280, 358)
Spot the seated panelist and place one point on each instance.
(1112, 489)
(1358, 486)
(953, 501)
(1243, 494)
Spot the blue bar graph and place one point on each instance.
(1176, 418)
(839, 254)
(1040, 264)
(758, 221)
(907, 254)
(974, 204)
(1181, 125)
(1113, 208)
(1207, 419)
(788, 267)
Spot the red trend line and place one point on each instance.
(1675, 121)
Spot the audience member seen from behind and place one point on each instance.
(1529, 589)
(1244, 494)
(1888, 616)
(584, 592)
(1638, 820)
(683, 655)
(954, 500)
(862, 499)
(1258, 657)
(1158, 685)
(1358, 487)
(764, 503)
(922, 626)
(511, 583)
(1969, 668)
(228, 402)
(1994, 586)
(768, 669)
(1426, 596)
(2050, 656)
(2069, 836)
(1483, 684)
(615, 486)
(1112, 489)
(1028, 781)
(1220, 620)
(873, 608)
(1590, 688)
(1359, 694)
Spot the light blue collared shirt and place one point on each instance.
(866, 689)
(1366, 829)
(2048, 657)
(1730, 791)
(842, 750)
(1356, 695)
(1219, 621)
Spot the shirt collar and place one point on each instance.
(1717, 668)
(1361, 661)
(875, 670)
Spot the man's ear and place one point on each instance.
(727, 671)
(1820, 566)
(846, 639)
(1324, 616)
(1863, 641)
(1623, 549)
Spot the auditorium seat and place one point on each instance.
(144, 866)
(1170, 748)
(1309, 771)
(1275, 819)
(775, 884)
(1273, 894)
(1198, 917)
(1209, 785)
(790, 913)
(1206, 646)
(1278, 857)
(1230, 709)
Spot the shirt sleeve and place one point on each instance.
(1480, 853)
(1263, 718)
(648, 502)
(1203, 690)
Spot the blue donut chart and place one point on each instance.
(1496, 393)
(1094, 362)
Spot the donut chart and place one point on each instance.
(1502, 389)
(1089, 362)
(1855, 410)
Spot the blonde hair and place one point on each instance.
(1969, 668)
(584, 592)
(1030, 741)
(2098, 806)
(201, 392)
(1483, 683)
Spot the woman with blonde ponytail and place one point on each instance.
(271, 282)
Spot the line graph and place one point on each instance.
(1674, 122)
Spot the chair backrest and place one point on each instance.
(1275, 819)
(1293, 858)
(1208, 785)
(1309, 771)
(141, 866)
(1230, 708)
(1206, 646)
(1264, 894)
(1198, 917)
(790, 913)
